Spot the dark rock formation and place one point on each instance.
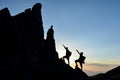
(25, 54)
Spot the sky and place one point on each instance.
(91, 26)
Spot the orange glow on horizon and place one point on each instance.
(95, 68)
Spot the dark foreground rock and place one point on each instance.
(25, 54)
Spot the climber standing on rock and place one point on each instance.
(81, 59)
(68, 54)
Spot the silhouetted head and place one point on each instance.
(81, 53)
(51, 27)
(67, 48)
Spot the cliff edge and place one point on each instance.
(25, 54)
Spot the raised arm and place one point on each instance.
(64, 46)
(78, 51)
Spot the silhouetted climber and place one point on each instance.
(50, 33)
(68, 54)
(81, 59)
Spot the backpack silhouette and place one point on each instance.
(81, 58)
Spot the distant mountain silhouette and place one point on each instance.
(25, 54)
(113, 74)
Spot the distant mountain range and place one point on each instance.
(113, 74)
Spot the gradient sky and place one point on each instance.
(91, 26)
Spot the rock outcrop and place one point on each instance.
(25, 54)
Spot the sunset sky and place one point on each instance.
(91, 26)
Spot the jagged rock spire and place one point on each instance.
(37, 7)
(50, 47)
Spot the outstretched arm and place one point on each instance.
(78, 51)
(64, 46)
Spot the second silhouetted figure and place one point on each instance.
(68, 54)
(81, 59)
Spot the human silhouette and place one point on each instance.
(50, 33)
(80, 59)
(68, 54)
